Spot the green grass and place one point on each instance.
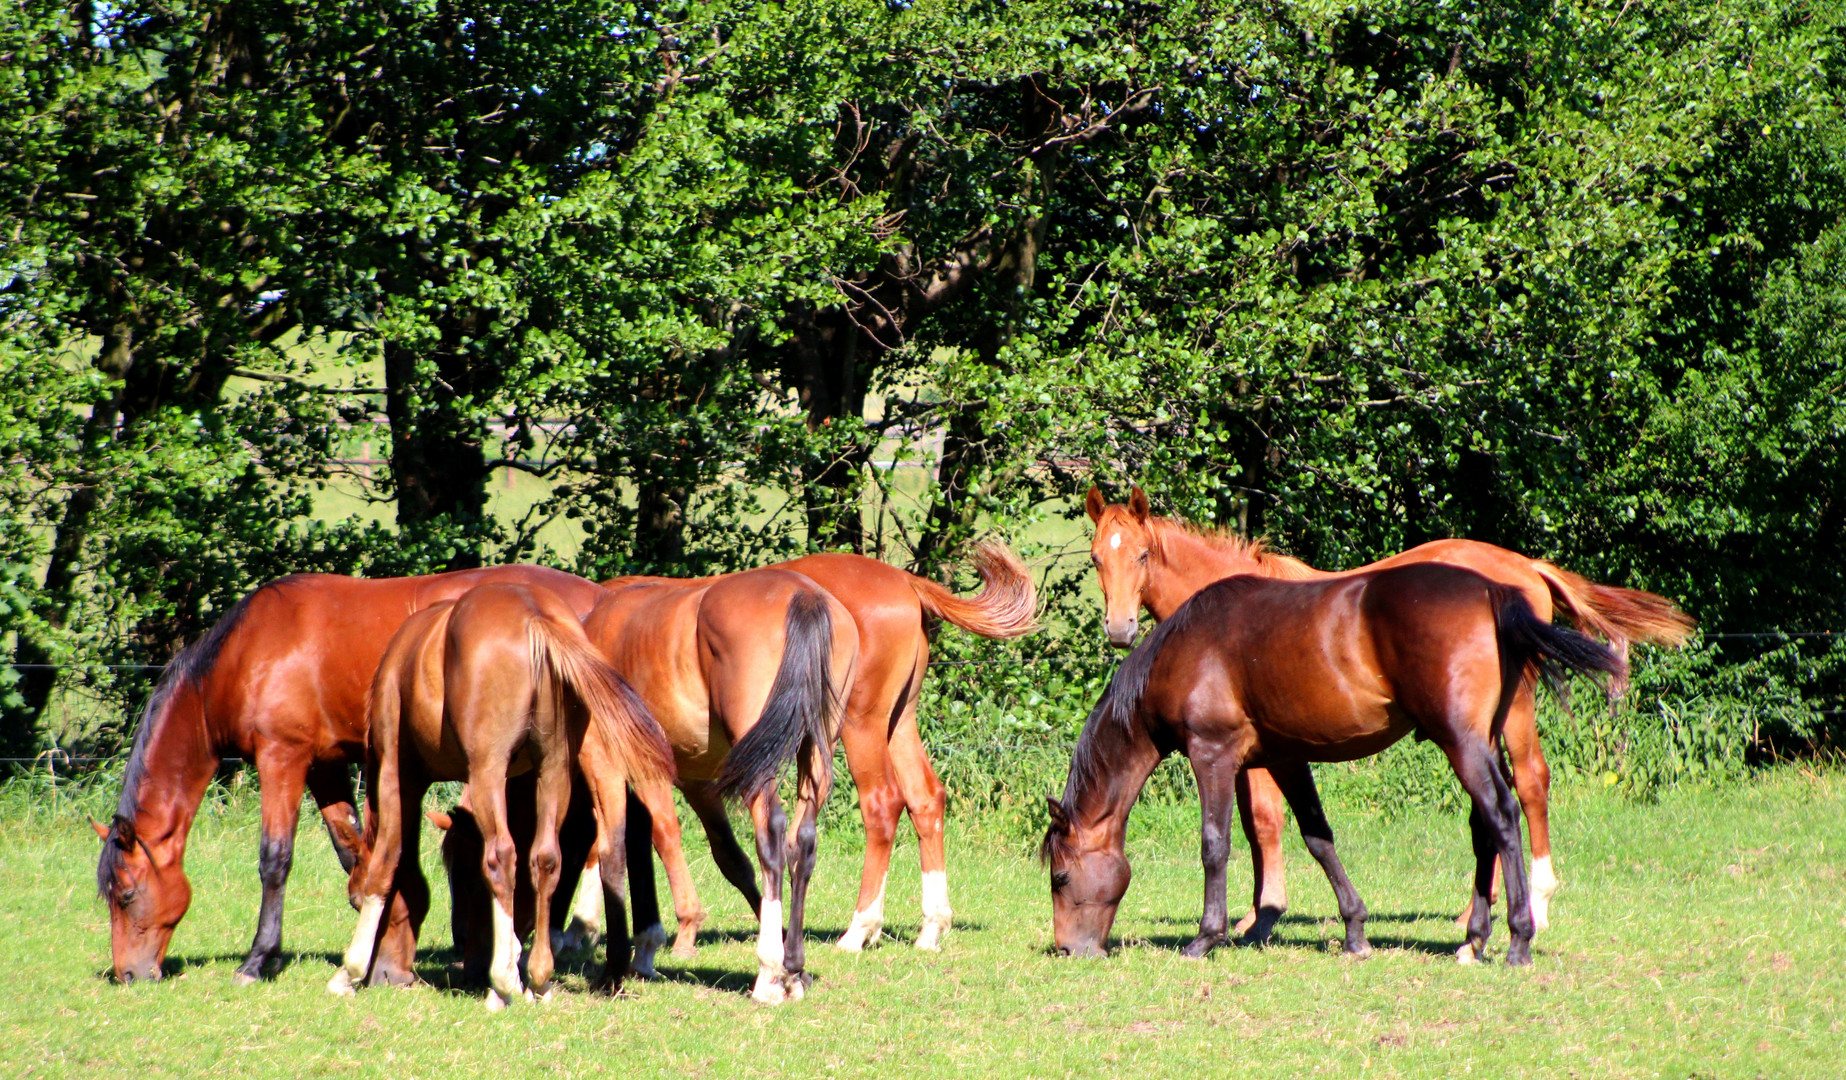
(1699, 936)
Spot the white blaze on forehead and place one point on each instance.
(1115, 541)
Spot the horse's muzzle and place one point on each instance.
(1122, 634)
(1084, 949)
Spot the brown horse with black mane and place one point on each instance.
(1277, 674)
(498, 682)
(1146, 561)
(279, 681)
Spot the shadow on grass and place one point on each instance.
(1175, 943)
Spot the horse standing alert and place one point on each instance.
(1279, 674)
(1153, 562)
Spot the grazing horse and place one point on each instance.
(1157, 563)
(1282, 673)
(279, 681)
(891, 609)
(744, 673)
(499, 682)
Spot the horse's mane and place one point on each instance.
(1271, 564)
(190, 665)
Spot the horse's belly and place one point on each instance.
(1318, 736)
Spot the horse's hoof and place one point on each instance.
(494, 1001)
(685, 952)
(796, 985)
(1466, 955)
(645, 974)
(769, 989)
(930, 939)
(341, 985)
(1199, 946)
(244, 978)
(1363, 952)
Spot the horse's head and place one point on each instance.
(147, 893)
(1089, 877)
(1120, 553)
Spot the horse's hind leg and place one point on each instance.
(657, 804)
(546, 860)
(283, 772)
(1494, 826)
(771, 848)
(390, 798)
(1532, 780)
(880, 807)
(1259, 805)
(332, 789)
(499, 864)
(812, 788)
(927, 802)
(1297, 783)
(732, 862)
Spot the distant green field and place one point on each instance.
(1701, 936)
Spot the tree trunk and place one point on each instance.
(438, 463)
(36, 683)
(822, 363)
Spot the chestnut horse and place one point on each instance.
(1257, 672)
(891, 609)
(498, 682)
(744, 673)
(1157, 563)
(279, 681)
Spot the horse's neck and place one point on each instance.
(1120, 758)
(1188, 562)
(176, 762)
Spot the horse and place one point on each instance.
(280, 681)
(891, 610)
(1261, 672)
(497, 682)
(745, 673)
(1158, 563)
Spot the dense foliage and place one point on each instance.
(1566, 277)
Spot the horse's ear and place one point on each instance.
(124, 832)
(1137, 504)
(1093, 505)
(439, 819)
(1060, 817)
(102, 831)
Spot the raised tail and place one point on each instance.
(1618, 614)
(1004, 607)
(1528, 642)
(801, 708)
(618, 714)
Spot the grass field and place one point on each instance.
(1700, 936)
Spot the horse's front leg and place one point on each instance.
(283, 773)
(1217, 777)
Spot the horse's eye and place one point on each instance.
(1141, 558)
(126, 898)
(1059, 880)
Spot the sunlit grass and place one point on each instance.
(1696, 937)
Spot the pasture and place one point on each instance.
(1696, 936)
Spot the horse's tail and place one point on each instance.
(1002, 609)
(1617, 614)
(800, 712)
(563, 657)
(1528, 642)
